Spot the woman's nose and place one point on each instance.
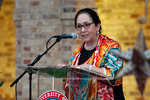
(83, 29)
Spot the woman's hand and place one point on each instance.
(60, 65)
(91, 67)
(85, 66)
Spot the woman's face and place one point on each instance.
(88, 35)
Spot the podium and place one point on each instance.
(51, 79)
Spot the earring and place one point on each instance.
(97, 32)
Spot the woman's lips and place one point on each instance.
(84, 35)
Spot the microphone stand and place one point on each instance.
(29, 70)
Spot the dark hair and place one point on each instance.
(92, 14)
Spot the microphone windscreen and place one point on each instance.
(74, 36)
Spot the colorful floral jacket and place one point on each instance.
(84, 88)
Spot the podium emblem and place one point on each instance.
(52, 95)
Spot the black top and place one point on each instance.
(85, 55)
(118, 92)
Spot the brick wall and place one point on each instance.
(120, 22)
(37, 20)
(7, 49)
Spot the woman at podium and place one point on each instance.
(94, 55)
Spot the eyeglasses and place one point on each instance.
(85, 25)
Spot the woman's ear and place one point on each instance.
(98, 26)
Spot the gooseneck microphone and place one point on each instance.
(65, 36)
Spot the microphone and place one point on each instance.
(64, 36)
